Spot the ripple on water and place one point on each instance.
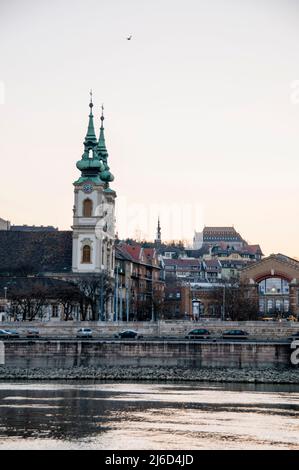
(146, 416)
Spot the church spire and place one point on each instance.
(158, 236)
(90, 138)
(106, 175)
(102, 144)
(90, 164)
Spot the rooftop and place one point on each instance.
(30, 252)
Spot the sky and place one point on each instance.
(201, 113)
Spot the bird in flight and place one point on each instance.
(129, 38)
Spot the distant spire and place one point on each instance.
(158, 237)
(90, 139)
(102, 144)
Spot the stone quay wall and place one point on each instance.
(63, 354)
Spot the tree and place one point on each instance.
(68, 296)
(157, 300)
(29, 300)
(234, 298)
(22, 269)
(95, 290)
(143, 309)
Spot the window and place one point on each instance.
(86, 254)
(54, 311)
(87, 208)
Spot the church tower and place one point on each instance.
(158, 236)
(94, 204)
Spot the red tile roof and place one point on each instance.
(138, 254)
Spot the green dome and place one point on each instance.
(107, 176)
(89, 163)
(94, 161)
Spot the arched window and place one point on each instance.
(87, 208)
(86, 254)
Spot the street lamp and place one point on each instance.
(5, 302)
(152, 301)
(127, 301)
(121, 302)
(223, 304)
(116, 294)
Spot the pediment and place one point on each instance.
(273, 266)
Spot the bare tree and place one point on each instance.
(157, 300)
(143, 309)
(29, 300)
(95, 290)
(233, 297)
(68, 296)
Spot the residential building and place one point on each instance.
(184, 269)
(178, 302)
(212, 270)
(140, 282)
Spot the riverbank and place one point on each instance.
(125, 374)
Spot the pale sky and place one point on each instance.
(201, 107)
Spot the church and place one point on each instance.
(93, 211)
(31, 256)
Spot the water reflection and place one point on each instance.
(77, 415)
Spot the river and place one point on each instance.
(149, 416)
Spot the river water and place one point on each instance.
(118, 416)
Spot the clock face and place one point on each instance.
(87, 188)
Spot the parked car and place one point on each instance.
(32, 333)
(235, 334)
(4, 334)
(13, 333)
(84, 333)
(198, 334)
(128, 334)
